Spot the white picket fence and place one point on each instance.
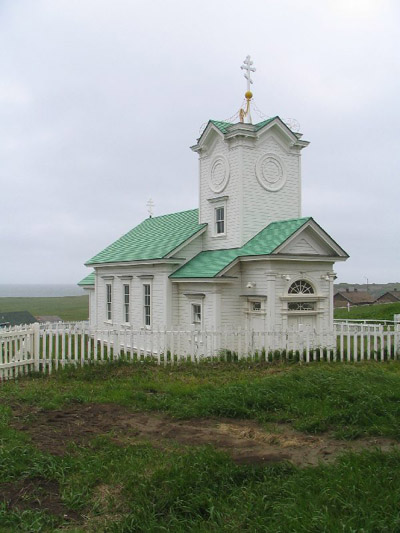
(43, 349)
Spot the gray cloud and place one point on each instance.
(99, 104)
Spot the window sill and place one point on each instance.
(219, 236)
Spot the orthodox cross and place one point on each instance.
(150, 205)
(247, 66)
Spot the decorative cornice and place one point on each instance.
(217, 199)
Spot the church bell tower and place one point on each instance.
(250, 174)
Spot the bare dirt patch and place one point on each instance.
(245, 441)
(36, 494)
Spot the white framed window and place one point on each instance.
(219, 212)
(302, 299)
(220, 220)
(255, 305)
(301, 286)
(126, 294)
(301, 306)
(109, 301)
(196, 314)
(147, 304)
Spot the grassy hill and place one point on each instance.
(370, 312)
(66, 307)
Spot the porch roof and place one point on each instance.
(87, 281)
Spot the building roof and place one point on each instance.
(210, 263)
(87, 281)
(48, 318)
(154, 238)
(223, 126)
(357, 297)
(16, 318)
(395, 293)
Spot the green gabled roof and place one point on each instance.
(264, 122)
(210, 263)
(154, 238)
(223, 126)
(206, 264)
(89, 280)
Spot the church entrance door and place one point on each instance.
(302, 323)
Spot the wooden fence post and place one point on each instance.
(36, 345)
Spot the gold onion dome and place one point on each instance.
(248, 95)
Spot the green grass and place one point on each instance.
(66, 307)
(312, 398)
(370, 312)
(138, 487)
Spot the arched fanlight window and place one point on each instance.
(300, 287)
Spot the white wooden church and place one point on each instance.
(245, 258)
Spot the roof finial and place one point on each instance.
(150, 205)
(247, 66)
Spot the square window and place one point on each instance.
(256, 306)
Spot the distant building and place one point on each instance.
(16, 318)
(389, 297)
(355, 297)
(48, 318)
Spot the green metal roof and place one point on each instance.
(88, 280)
(209, 264)
(265, 122)
(223, 126)
(154, 238)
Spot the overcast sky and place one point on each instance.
(100, 101)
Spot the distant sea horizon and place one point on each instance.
(36, 290)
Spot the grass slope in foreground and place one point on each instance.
(111, 483)
(73, 308)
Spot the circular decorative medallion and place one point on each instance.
(219, 173)
(270, 172)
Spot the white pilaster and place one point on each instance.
(271, 300)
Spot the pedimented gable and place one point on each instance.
(311, 239)
(304, 246)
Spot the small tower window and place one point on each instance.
(220, 220)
